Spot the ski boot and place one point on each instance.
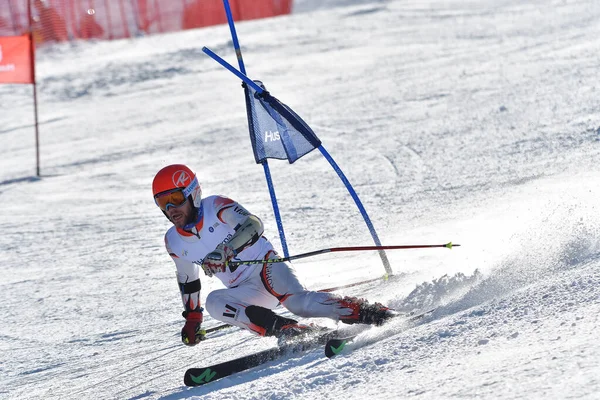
(365, 313)
(280, 327)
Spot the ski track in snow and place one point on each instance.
(475, 122)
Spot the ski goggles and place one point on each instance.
(171, 198)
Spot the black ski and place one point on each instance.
(200, 376)
(203, 375)
(335, 345)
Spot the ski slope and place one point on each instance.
(476, 122)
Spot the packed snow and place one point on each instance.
(476, 122)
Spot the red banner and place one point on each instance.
(63, 20)
(15, 59)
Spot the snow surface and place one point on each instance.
(475, 122)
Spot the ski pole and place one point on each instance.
(349, 285)
(234, 264)
(215, 328)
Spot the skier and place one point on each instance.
(210, 232)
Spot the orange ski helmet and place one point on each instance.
(177, 177)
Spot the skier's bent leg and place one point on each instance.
(349, 310)
(248, 309)
(281, 281)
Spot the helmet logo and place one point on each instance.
(181, 178)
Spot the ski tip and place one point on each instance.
(198, 376)
(334, 347)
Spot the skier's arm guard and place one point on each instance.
(246, 234)
(188, 278)
(189, 283)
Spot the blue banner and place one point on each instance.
(276, 131)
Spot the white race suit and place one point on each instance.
(262, 284)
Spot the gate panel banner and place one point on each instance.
(15, 59)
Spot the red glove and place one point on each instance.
(216, 261)
(192, 333)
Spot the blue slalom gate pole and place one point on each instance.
(265, 164)
(336, 168)
(241, 75)
(234, 38)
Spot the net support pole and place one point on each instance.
(35, 102)
(265, 164)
